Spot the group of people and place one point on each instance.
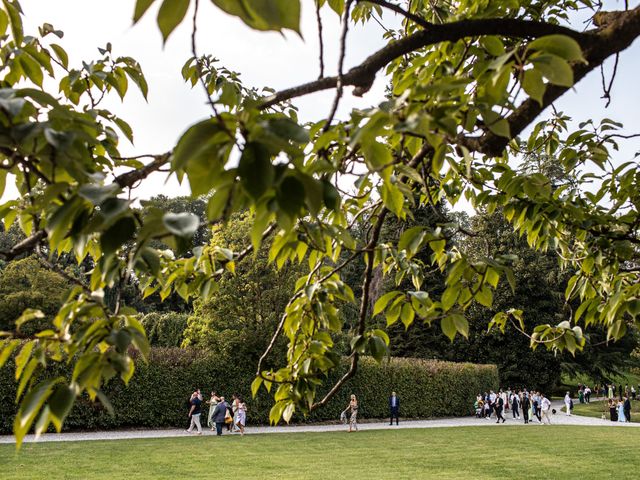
(221, 413)
(611, 391)
(352, 412)
(522, 403)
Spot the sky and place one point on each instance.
(263, 59)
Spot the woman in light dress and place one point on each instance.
(621, 416)
(241, 415)
(353, 420)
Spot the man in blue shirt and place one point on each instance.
(394, 407)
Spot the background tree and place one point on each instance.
(467, 79)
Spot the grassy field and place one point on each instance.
(595, 408)
(444, 453)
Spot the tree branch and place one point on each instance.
(363, 75)
(616, 35)
(129, 179)
(398, 9)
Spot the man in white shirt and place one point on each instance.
(545, 405)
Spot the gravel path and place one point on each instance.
(558, 419)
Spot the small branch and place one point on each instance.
(397, 9)
(25, 246)
(129, 179)
(320, 40)
(343, 49)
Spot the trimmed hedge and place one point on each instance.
(157, 394)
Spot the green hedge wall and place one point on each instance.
(158, 392)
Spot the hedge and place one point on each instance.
(157, 394)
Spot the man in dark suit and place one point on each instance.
(499, 407)
(627, 408)
(394, 407)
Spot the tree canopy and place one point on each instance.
(467, 81)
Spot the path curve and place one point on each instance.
(558, 419)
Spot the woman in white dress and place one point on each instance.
(241, 415)
(213, 401)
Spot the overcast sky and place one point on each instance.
(263, 59)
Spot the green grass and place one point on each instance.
(595, 408)
(444, 453)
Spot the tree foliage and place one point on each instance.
(466, 79)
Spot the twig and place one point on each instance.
(320, 40)
(343, 48)
(397, 9)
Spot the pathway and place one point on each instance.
(558, 419)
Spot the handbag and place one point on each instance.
(227, 417)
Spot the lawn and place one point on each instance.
(533, 451)
(595, 408)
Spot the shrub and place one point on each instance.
(157, 394)
(165, 329)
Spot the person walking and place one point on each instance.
(567, 403)
(212, 402)
(515, 403)
(194, 412)
(622, 418)
(499, 407)
(633, 392)
(545, 407)
(235, 404)
(536, 406)
(394, 408)
(627, 408)
(587, 394)
(526, 404)
(241, 415)
(353, 419)
(219, 414)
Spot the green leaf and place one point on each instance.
(461, 324)
(264, 14)
(31, 68)
(493, 45)
(377, 347)
(30, 406)
(290, 195)
(7, 350)
(376, 155)
(500, 127)
(533, 84)
(485, 296)
(117, 235)
(61, 54)
(560, 45)
(256, 170)
(182, 224)
(383, 301)
(60, 404)
(407, 315)
(28, 315)
(554, 68)
(170, 15)
(449, 297)
(330, 195)
(448, 327)
(141, 7)
(13, 9)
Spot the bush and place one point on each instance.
(165, 329)
(157, 394)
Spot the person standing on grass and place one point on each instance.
(353, 419)
(526, 404)
(587, 394)
(627, 408)
(535, 405)
(633, 392)
(515, 401)
(622, 418)
(610, 392)
(545, 407)
(567, 403)
(194, 412)
(241, 415)
(394, 408)
(212, 402)
(219, 414)
(499, 407)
